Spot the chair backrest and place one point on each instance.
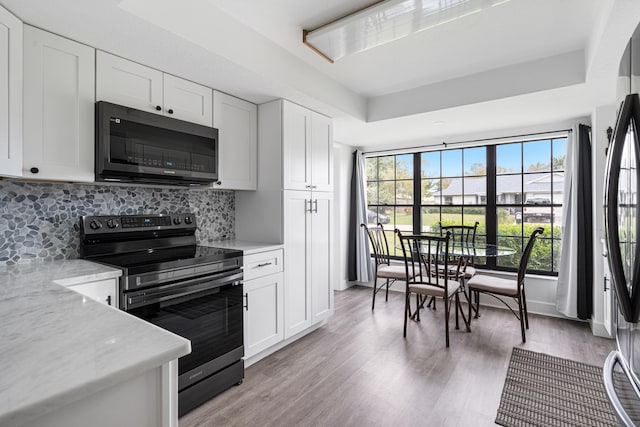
(379, 244)
(461, 233)
(427, 257)
(524, 260)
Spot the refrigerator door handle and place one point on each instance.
(607, 372)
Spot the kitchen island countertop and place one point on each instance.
(58, 346)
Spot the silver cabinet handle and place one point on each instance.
(314, 186)
(606, 279)
(307, 186)
(316, 206)
(264, 264)
(305, 205)
(108, 300)
(246, 298)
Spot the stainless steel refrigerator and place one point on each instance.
(622, 223)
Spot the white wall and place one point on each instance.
(602, 118)
(342, 169)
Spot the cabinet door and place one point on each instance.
(128, 83)
(10, 94)
(103, 291)
(237, 123)
(321, 148)
(59, 84)
(320, 264)
(187, 101)
(297, 227)
(296, 121)
(263, 316)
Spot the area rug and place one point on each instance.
(544, 390)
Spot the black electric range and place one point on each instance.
(168, 280)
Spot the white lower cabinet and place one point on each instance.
(103, 291)
(263, 316)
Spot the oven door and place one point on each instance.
(207, 311)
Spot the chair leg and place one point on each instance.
(526, 312)
(521, 312)
(375, 287)
(418, 307)
(386, 297)
(446, 322)
(406, 312)
(470, 301)
(457, 310)
(477, 304)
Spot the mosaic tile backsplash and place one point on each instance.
(39, 221)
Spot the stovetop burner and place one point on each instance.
(146, 243)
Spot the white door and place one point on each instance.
(59, 84)
(187, 101)
(237, 124)
(320, 260)
(263, 315)
(297, 228)
(128, 83)
(296, 122)
(321, 148)
(10, 94)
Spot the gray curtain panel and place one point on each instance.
(359, 255)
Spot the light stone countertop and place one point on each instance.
(57, 346)
(245, 246)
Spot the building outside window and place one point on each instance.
(518, 186)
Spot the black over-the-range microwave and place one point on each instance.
(137, 146)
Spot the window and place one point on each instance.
(529, 192)
(390, 194)
(517, 186)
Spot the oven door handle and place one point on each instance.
(177, 290)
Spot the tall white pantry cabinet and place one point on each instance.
(294, 205)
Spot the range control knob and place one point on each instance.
(177, 221)
(95, 225)
(188, 220)
(112, 223)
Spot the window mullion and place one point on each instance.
(417, 194)
(491, 214)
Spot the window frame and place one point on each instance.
(489, 204)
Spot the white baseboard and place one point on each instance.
(598, 329)
(343, 285)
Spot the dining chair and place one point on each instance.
(462, 235)
(383, 268)
(428, 256)
(515, 289)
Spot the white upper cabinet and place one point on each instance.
(295, 134)
(307, 149)
(321, 153)
(237, 123)
(187, 101)
(59, 88)
(10, 94)
(128, 83)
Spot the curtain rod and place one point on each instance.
(446, 144)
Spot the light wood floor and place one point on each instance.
(359, 371)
